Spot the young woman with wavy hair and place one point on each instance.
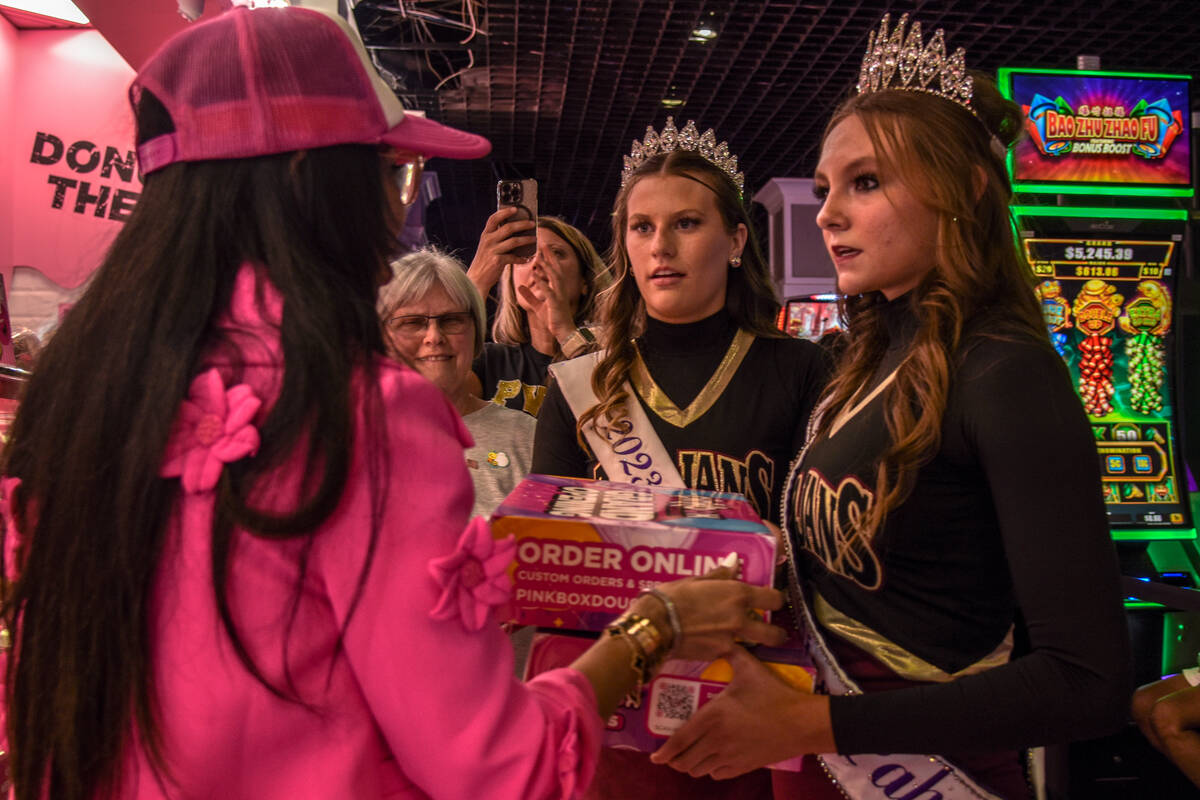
(238, 561)
(750, 300)
(949, 540)
(688, 330)
(689, 340)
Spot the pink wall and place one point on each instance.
(8, 79)
(73, 175)
(136, 28)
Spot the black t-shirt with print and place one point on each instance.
(745, 440)
(1005, 526)
(513, 375)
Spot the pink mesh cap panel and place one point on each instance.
(273, 80)
(313, 88)
(195, 72)
(267, 81)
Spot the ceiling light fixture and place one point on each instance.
(55, 9)
(705, 31)
(672, 98)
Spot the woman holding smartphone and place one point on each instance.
(546, 303)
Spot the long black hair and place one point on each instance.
(90, 435)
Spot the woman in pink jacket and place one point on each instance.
(243, 565)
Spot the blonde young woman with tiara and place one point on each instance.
(693, 371)
(950, 551)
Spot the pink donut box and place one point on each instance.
(585, 549)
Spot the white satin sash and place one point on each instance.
(628, 448)
(904, 776)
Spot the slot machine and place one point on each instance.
(1104, 183)
(810, 316)
(1107, 282)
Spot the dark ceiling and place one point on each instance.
(561, 88)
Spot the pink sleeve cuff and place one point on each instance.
(570, 705)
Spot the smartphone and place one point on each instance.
(522, 195)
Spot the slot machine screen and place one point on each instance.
(810, 317)
(1108, 301)
(1101, 132)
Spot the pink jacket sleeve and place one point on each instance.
(443, 696)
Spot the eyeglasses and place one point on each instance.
(410, 326)
(407, 169)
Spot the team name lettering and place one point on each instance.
(827, 519)
(754, 477)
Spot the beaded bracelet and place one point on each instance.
(672, 614)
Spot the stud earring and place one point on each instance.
(735, 262)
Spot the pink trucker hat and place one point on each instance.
(272, 80)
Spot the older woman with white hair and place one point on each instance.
(433, 318)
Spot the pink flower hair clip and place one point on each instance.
(474, 578)
(213, 429)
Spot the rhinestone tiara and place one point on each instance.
(689, 138)
(896, 61)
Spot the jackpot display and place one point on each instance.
(1108, 303)
(1088, 132)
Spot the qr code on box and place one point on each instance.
(672, 702)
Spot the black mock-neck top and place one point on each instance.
(752, 423)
